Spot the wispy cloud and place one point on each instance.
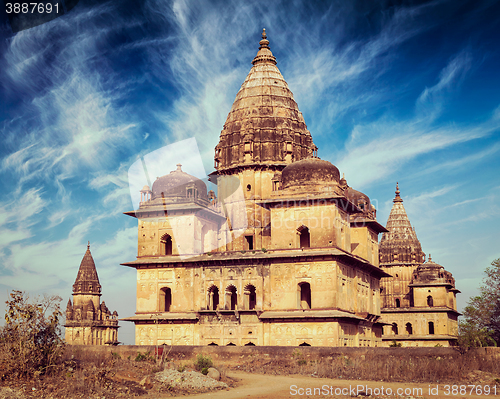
(73, 116)
(377, 149)
(17, 217)
(431, 101)
(114, 189)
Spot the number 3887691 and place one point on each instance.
(31, 8)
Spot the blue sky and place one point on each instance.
(391, 91)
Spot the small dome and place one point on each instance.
(309, 171)
(359, 199)
(145, 188)
(176, 184)
(430, 272)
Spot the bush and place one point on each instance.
(395, 344)
(203, 362)
(142, 357)
(30, 342)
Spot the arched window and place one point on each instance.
(431, 327)
(231, 344)
(250, 297)
(430, 301)
(304, 291)
(398, 303)
(166, 244)
(394, 328)
(231, 298)
(304, 237)
(213, 298)
(248, 243)
(165, 299)
(304, 344)
(212, 344)
(409, 328)
(249, 344)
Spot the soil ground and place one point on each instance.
(263, 386)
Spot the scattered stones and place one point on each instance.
(188, 380)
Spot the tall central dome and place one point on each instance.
(264, 125)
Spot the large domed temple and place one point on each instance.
(285, 253)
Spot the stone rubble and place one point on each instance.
(188, 380)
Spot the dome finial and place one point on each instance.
(264, 55)
(430, 259)
(397, 198)
(179, 167)
(88, 244)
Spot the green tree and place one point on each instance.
(30, 341)
(481, 324)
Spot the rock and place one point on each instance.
(146, 382)
(213, 373)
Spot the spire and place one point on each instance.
(87, 281)
(264, 55)
(397, 198)
(400, 245)
(264, 125)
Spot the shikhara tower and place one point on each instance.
(419, 299)
(88, 320)
(292, 260)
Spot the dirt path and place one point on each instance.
(279, 387)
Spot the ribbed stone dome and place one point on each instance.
(358, 198)
(87, 280)
(176, 185)
(310, 171)
(431, 272)
(264, 124)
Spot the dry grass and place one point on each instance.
(85, 374)
(386, 368)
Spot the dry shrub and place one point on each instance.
(30, 343)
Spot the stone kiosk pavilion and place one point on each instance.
(293, 261)
(88, 320)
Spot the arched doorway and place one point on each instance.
(304, 237)
(213, 298)
(166, 244)
(231, 298)
(250, 297)
(304, 292)
(165, 299)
